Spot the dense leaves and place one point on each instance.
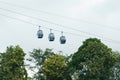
(92, 61)
(55, 68)
(38, 57)
(12, 64)
(115, 70)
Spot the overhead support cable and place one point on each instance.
(59, 25)
(110, 40)
(62, 16)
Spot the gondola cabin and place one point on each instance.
(40, 34)
(51, 37)
(62, 40)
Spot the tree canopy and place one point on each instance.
(12, 64)
(38, 56)
(55, 68)
(92, 61)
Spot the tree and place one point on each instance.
(55, 68)
(29, 78)
(92, 61)
(115, 70)
(12, 64)
(37, 56)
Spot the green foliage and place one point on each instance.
(92, 61)
(55, 68)
(12, 64)
(115, 70)
(38, 57)
(50, 66)
(29, 78)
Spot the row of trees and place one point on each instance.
(93, 61)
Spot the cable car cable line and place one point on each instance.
(39, 32)
(91, 34)
(65, 17)
(49, 22)
(110, 40)
(38, 25)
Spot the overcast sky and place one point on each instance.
(98, 17)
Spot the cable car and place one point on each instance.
(62, 39)
(51, 36)
(40, 33)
